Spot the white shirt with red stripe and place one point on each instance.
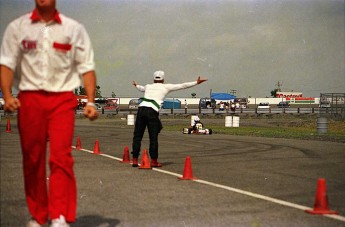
(47, 56)
(157, 92)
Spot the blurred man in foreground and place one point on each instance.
(49, 51)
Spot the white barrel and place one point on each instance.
(228, 121)
(130, 119)
(235, 121)
(322, 125)
(192, 119)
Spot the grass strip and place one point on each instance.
(303, 133)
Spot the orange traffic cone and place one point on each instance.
(145, 161)
(187, 172)
(78, 145)
(321, 200)
(125, 157)
(96, 149)
(8, 126)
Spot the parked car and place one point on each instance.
(111, 107)
(134, 104)
(325, 104)
(283, 105)
(241, 103)
(264, 105)
(207, 103)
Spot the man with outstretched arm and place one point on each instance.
(148, 114)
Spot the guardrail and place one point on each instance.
(340, 112)
(240, 111)
(217, 111)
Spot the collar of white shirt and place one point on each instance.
(36, 17)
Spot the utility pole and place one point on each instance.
(279, 85)
(233, 91)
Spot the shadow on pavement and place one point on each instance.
(96, 221)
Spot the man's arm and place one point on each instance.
(137, 86)
(89, 79)
(175, 87)
(6, 81)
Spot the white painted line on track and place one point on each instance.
(247, 193)
(270, 199)
(105, 155)
(167, 172)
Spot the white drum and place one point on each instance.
(130, 119)
(228, 121)
(235, 121)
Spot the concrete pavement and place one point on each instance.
(231, 170)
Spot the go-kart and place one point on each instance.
(197, 128)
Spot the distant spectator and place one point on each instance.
(185, 104)
(221, 106)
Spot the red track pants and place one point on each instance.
(48, 116)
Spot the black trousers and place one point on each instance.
(146, 117)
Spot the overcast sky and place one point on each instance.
(243, 45)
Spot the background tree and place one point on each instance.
(193, 95)
(98, 92)
(274, 92)
(113, 95)
(81, 91)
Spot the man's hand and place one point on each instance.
(134, 83)
(199, 81)
(6, 81)
(89, 79)
(90, 112)
(11, 104)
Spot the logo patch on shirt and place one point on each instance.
(29, 44)
(64, 47)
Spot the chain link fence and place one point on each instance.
(332, 104)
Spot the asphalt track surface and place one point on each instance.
(241, 181)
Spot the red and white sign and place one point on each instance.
(286, 94)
